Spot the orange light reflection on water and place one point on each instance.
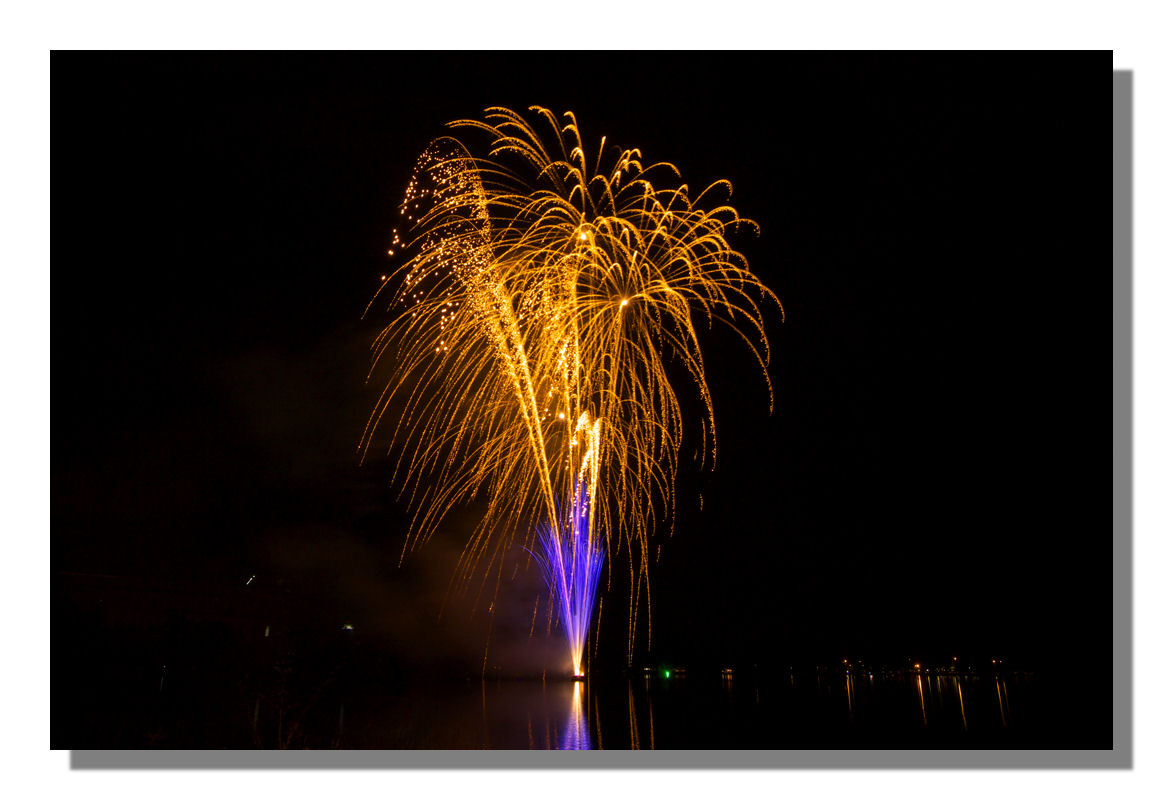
(921, 694)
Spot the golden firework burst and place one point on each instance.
(542, 302)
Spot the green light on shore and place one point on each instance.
(666, 673)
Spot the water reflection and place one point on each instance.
(961, 701)
(598, 722)
(710, 712)
(633, 719)
(921, 694)
(650, 708)
(848, 689)
(576, 735)
(1000, 705)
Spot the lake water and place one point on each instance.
(807, 709)
(797, 711)
(129, 671)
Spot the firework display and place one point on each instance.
(542, 304)
(571, 561)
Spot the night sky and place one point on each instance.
(935, 477)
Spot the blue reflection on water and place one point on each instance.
(576, 735)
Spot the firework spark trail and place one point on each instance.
(572, 566)
(540, 299)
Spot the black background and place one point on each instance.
(934, 479)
